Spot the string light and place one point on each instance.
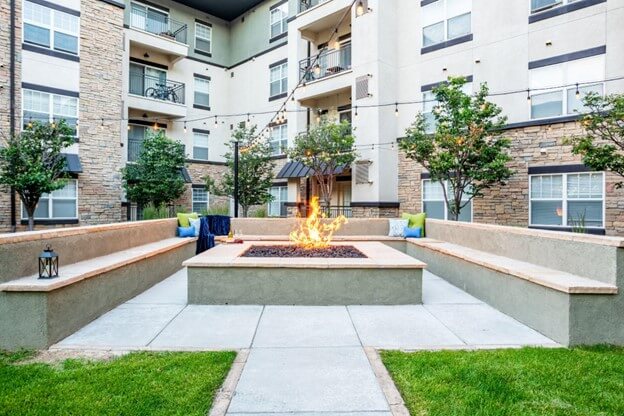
(528, 95)
(578, 93)
(216, 121)
(102, 125)
(356, 112)
(359, 10)
(185, 127)
(396, 109)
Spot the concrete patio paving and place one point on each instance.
(304, 359)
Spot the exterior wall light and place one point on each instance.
(48, 264)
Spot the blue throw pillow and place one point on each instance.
(186, 232)
(412, 232)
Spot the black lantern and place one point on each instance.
(48, 264)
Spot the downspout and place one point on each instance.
(12, 101)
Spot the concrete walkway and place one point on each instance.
(304, 359)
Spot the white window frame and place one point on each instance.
(197, 201)
(52, 28)
(278, 201)
(146, 7)
(564, 199)
(445, 24)
(282, 10)
(557, 3)
(198, 81)
(208, 39)
(446, 209)
(207, 147)
(51, 205)
(569, 86)
(279, 134)
(51, 116)
(283, 69)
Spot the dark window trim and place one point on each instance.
(375, 204)
(563, 9)
(572, 56)
(52, 221)
(274, 124)
(116, 3)
(200, 52)
(148, 63)
(146, 123)
(201, 107)
(53, 6)
(276, 5)
(154, 5)
(425, 175)
(202, 131)
(205, 162)
(588, 230)
(206, 77)
(279, 183)
(278, 96)
(446, 44)
(554, 169)
(278, 63)
(543, 121)
(31, 47)
(51, 90)
(424, 3)
(202, 22)
(278, 37)
(429, 87)
(278, 157)
(198, 186)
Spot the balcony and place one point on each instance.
(156, 95)
(308, 4)
(158, 32)
(327, 64)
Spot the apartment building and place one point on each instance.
(199, 68)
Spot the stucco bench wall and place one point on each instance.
(19, 251)
(283, 226)
(547, 295)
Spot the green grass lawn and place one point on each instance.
(524, 382)
(135, 384)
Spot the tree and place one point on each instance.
(466, 150)
(155, 178)
(255, 170)
(602, 146)
(31, 163)
(326, 149)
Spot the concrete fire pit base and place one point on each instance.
(386, 277)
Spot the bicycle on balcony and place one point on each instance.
(162, 92)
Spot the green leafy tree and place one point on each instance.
(255, 170)
(602, 145)
(155, 178)
(466, 150)
(31, 163)
(325, 149)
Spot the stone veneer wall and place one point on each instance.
(101, 57)
(199, 172)
(509, 205)
(5, 57)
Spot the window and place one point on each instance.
(200, 199)
(430, 103)
(279, 79)
(279, 139)
(48, 108)
(554, 90)
(434, 205)
(445, 20)
(202, 92)
(203, 37)
(200, 146)
(539, 5)
(277, 207)
(136, 136)
(279, 20)
(60, 204)
(149, 19)
(567, 200)
(51, 28)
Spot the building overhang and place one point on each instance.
(226, 10)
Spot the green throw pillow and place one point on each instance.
(415, 220)
(183, 219)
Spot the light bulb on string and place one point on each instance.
(216, 121)
(185, 130)
(578, 93)
(396, 109)
(528, 95)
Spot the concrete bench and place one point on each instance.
(575, 301)
(35, 313)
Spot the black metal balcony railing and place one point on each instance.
(308, 4)
(337, 210)
(156, 88)
(330, 62)
(158, 24)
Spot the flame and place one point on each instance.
(315, 231)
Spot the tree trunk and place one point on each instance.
(245, 211)
(31, 223)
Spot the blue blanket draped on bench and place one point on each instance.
(219, 224)
(206, 240)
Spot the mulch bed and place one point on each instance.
(336, 252)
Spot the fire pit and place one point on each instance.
(311, 270)
(335, 252)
